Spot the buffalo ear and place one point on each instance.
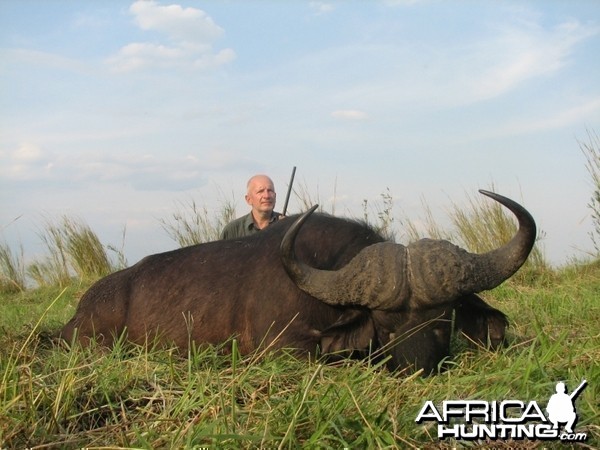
(353, 331)
(479, 322)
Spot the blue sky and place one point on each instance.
(115, 111)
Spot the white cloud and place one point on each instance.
(142, 172)
(27, 152)
(189, 33)
(349, 114)
(321, 8)
(182, 24)
(27, 162)
(581, 113)
(31, 165)
(436, 75)
(401, 2)
(530, 51)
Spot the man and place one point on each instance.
(261, 197)
(561, 407)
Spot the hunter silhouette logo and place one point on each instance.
(561, 406)
(507, 419)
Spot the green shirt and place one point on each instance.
(244, 226)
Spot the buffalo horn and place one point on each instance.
(428, 272)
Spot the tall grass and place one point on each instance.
(483, 225)
(307, 198)
(591, 151)
(54, 269)
(384, 222)
(425, 226)
(479, 226)
(154, 397)
(73, 249)
(193, 224)
(12, 270)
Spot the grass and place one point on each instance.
(591, 150)
(479, 226)
(73, 250)
(12, 270)
(149, 397)
(194, 224)
(152, 397)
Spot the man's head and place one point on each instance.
(261, 195)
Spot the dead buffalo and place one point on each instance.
(314, 283)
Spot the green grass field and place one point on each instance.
(152, 397)
(140, 397)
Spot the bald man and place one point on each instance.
(261, 197)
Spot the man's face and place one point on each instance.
(261, 195)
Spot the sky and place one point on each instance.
(118, 112)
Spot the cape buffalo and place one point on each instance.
(314, 283)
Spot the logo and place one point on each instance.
(507, 419)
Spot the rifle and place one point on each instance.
(289, 191)
(577, 391)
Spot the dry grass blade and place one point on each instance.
(591, 150)
(72, 249)
(12, 270)
(192, 224)
(484, 225)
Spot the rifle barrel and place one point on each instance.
(289, 191)
(579, 388)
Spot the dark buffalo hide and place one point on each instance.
(210, 292)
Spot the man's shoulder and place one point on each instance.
(236, 227)
(244, 226)
(242, 220)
